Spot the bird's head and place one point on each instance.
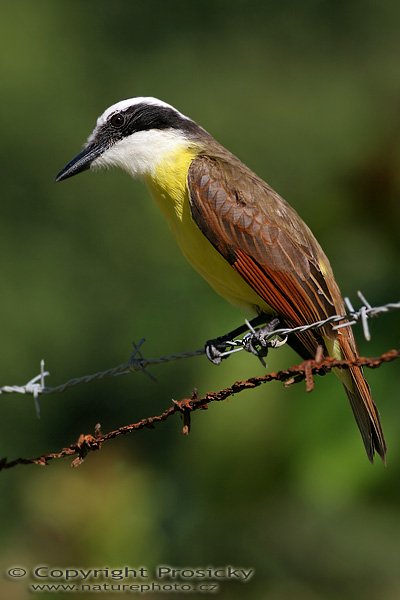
(134, 135)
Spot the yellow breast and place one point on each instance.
(168, 185)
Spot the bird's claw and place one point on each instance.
(215, 350)
(255, 345)
(256, 341)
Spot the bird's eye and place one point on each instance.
(117, 120)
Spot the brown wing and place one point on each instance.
(265, 240)
(268, 244)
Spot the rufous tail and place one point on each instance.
(364, 409)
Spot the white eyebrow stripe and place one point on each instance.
(124, 104)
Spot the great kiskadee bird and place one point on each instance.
(236, 231)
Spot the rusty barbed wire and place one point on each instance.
(138, 363)
(306, 370)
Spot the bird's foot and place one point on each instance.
(257, 341)
(218, 349)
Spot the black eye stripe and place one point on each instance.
(144, 117)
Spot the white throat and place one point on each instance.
(140, 153)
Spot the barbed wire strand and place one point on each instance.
(305, 371)
(36, 386)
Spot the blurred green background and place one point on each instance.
(308, 95)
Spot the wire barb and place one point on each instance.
(137, 362)
(35, 386)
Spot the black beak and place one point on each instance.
(82, 161)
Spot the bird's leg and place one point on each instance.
(217, 348)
